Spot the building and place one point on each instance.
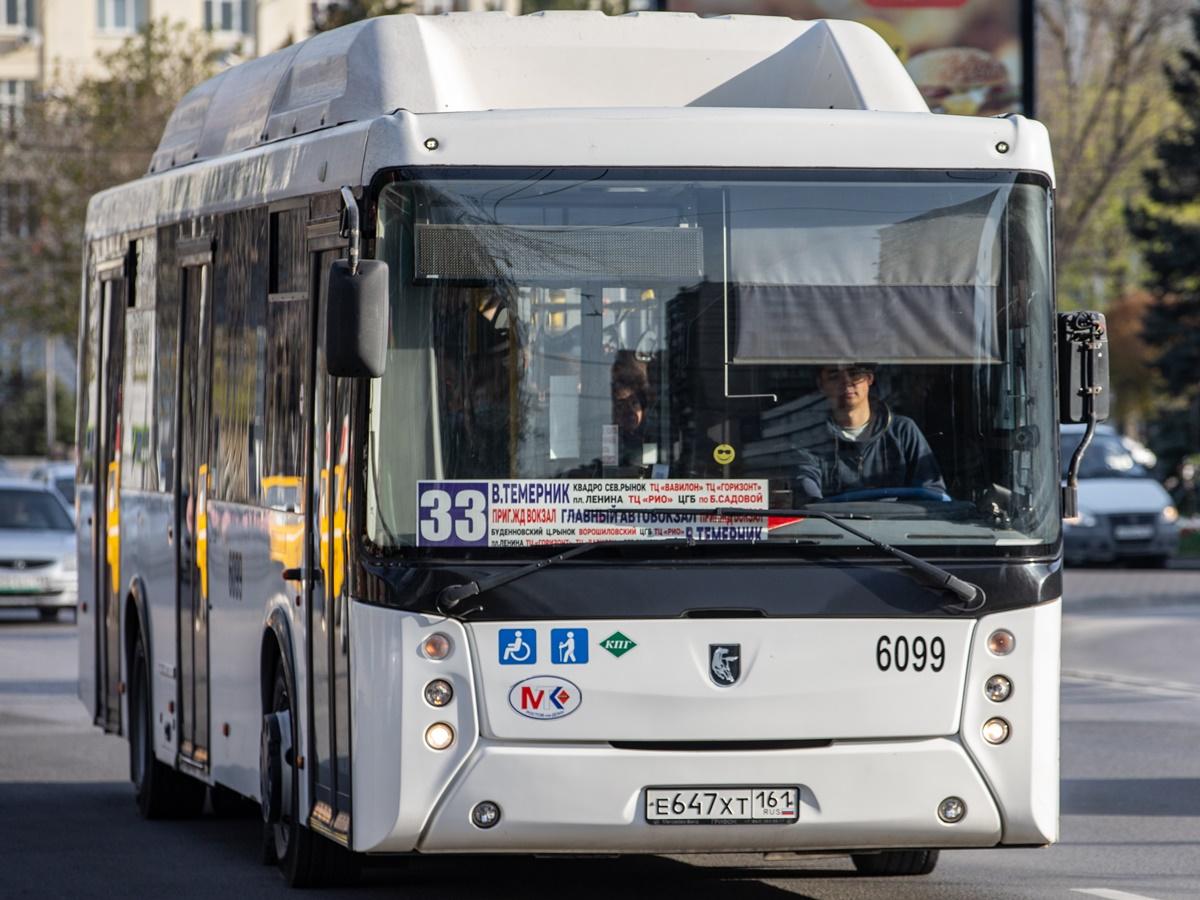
(50, 43)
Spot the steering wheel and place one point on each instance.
(890, 493)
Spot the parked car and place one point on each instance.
(1124, 513)
(61, 477)
(37, 549)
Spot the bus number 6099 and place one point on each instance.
(902, 652)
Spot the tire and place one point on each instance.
(159, 791)
(896, 862)
(305, 858)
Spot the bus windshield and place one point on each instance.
(583, 355)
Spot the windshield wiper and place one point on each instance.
(971, 595)
(452, 595)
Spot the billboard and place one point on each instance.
(968, 57)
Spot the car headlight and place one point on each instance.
(1084, 520)
(69, 562)
(1169, 515)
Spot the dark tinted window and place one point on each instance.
(24, 510)
(239, 350)
(66, 487)
(166, 352)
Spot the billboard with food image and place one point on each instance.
(968, 57)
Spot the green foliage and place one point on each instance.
(23, 400)
(1169, 234)
(1103, 97)
(343, 12)
(79, 139)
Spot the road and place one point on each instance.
(1130, 791)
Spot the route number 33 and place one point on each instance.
(458, 518)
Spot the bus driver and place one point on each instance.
(863, 444)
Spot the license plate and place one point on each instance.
(21, 584)
(1133, 532)
(722, 806)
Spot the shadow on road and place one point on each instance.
(86, 840)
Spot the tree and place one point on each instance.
(343, 12)
(1104, 98)
(79, 139)
(1167, 226)
(1138, 391)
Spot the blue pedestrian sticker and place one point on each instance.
(518, 647)
(568, 646)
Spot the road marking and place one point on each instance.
(1110, 894)
(1152, 685)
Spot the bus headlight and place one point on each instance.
(995, 731)
(1001, 642)
(438, 692)
(485, 814)
(437, 646)
(951, 810)
(439, 736)
(998, 688)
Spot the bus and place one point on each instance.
(573, 434)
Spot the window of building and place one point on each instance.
(17, 212)
(17, 15)
(121, 15)
(13, 96)
(229, 15)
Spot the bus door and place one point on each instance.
(106, 537)
(192, 483)
(328, 631)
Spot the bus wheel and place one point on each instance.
(896, 862)
(305, 858)
(160, 791)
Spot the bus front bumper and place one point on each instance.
(591, 799)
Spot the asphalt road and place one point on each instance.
(1130, 791)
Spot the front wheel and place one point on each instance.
(160, 791)
(305, 858)
(896, 862)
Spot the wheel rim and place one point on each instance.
(281, 830)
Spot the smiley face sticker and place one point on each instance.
(723, 454)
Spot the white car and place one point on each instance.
(61, 477)
(37, 549)
(1124, 513)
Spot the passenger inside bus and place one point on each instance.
(631, 404)
(864, 446)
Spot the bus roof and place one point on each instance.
(471, 62)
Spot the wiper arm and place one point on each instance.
(452, 595)
(972, 596)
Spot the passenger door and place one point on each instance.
(108, 330)
(328, 631)
(191, 498)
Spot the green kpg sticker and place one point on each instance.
(617, 644)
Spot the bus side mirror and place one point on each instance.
(356, 320)
(1083, 394)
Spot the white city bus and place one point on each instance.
(451, 400)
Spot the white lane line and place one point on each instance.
(1110, 894)
(1152, 685)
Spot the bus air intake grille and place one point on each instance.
(717, 746)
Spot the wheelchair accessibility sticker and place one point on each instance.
(544, 697)
(518, 646)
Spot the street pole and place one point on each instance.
(51, 406)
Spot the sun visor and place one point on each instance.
(848, 284)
